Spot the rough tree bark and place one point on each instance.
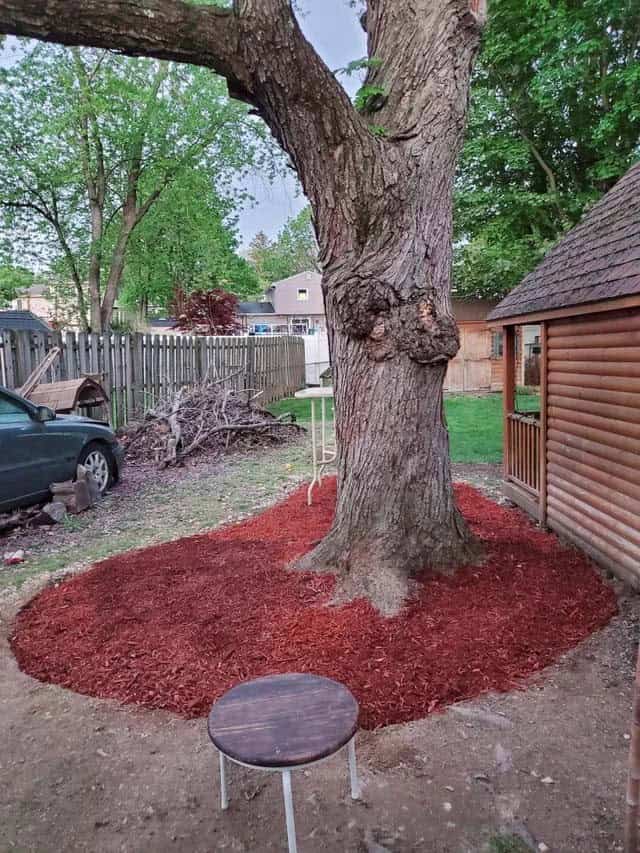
(380, 187)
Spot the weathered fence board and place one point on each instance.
(138, 369)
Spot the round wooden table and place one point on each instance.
(283, 722)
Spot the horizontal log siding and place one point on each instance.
(593, 441)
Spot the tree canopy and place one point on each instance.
(294, 250)
(186, 243)
(13, 281)
(554, 121)
(91, 141)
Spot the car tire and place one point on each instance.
(98, 459)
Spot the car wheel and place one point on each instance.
(98, 460)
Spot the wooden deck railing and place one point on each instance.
(522, 451)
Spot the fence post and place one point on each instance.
(130, 375)
(9, 361)
(22, 363)
(250, 374)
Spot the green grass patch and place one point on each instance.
(475, 422)
(475, 427)
(300, 408)
(507, 844)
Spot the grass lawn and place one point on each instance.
(475, 423)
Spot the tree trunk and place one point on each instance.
(395, 513)
(95, 264)
(116, 268)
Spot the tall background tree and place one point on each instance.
(554, 121)
(13, 282)
(91, 141)
(185, 243)
(294, 250)
(379, 178)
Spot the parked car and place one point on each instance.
(38, 447)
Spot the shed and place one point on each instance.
(573, 461)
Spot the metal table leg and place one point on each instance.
(353, 770)
(224, 798)
(314, 452)
(288, 809)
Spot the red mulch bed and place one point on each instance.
(176, 625)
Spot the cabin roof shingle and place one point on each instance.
(598, 259)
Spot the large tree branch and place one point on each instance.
(165, 29)
(259, 48)
(423, 51)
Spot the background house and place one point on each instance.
(22, 321)
(575, 463)
(42, 301)
(292, 306)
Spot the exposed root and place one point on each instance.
(380, 572)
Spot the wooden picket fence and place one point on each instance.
(138, 369)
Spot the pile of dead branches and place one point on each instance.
(208, 418)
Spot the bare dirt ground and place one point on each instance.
(538, 769)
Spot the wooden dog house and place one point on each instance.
(575, 464)
(73, 395)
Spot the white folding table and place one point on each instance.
(324, 454)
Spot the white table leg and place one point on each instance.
(224, 798)
(353, 770)
(313, 451)
(322, 438)
(288, 810)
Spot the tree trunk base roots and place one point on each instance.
(381, 570)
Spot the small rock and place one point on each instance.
(447, 807)
(542, 847)
(626, 736)
(12, 558)
(504, 759)
(56, 510)
(449, 788)
(548, 780)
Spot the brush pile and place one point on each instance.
(207, 418)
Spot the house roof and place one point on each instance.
(162, 323)
(300, 278)
(598, 259)
(22, 320)
(255, 308)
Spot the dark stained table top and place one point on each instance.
(283, 720)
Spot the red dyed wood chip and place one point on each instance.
(176, 625)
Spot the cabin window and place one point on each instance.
(496, 344)
(303, 294)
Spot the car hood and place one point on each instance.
(81, 419)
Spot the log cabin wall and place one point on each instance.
(593, 436)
